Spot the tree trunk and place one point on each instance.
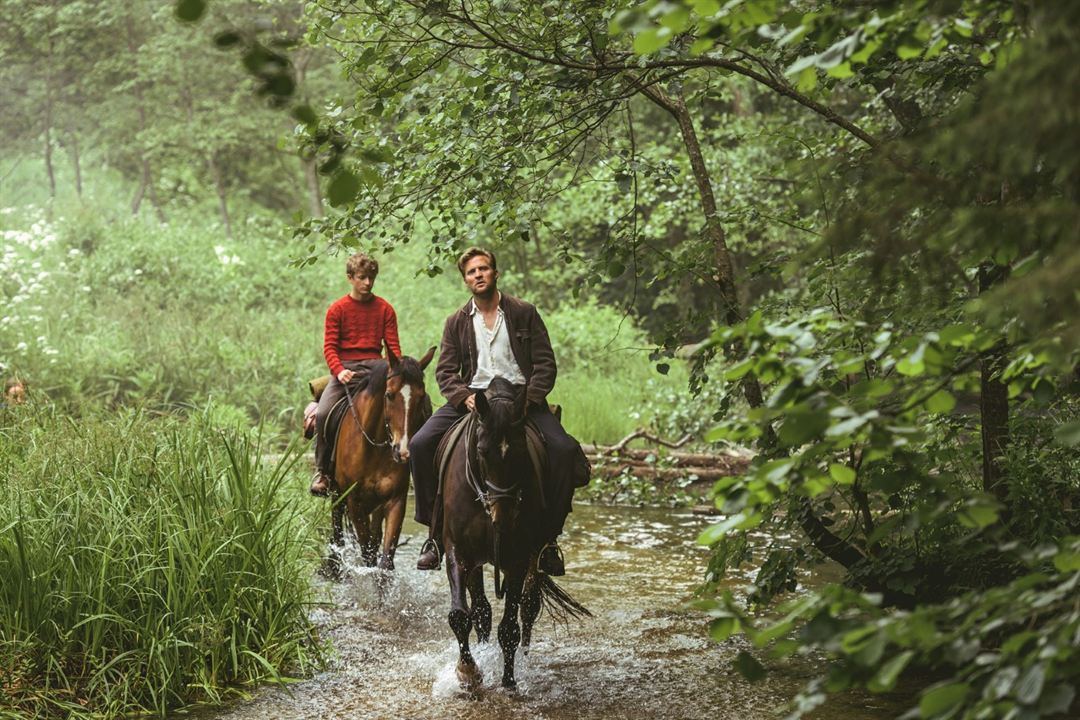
(144, 180)
(311, 175)
(48, 149)
(993, 400)
(827, 542)
(219, 185)
(152, 191)
(73, 147)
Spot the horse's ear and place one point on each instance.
(394, 359)
(426, 360)
(482, 406)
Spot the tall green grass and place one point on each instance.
(145, 564)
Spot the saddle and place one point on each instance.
(534, 441)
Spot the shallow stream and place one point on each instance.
(642, 655)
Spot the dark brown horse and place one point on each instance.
(490, 510)
(372, 454)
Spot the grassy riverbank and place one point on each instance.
(146, 564)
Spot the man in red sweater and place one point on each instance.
(357, 326)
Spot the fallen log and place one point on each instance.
(667, 474)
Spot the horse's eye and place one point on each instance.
(391, 396)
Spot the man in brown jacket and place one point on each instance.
(495, 335)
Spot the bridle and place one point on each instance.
(488, 493)
(389, 442)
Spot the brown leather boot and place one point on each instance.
(430, 558)
(551, 560)
(320, 484)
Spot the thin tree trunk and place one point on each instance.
(146, 182)
(311, 176)
(993, 400)
(151, 189)
(140, 191)
(219, 185)
(48, 147)
(73, 147)
(832, 545)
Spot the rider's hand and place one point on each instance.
(345, 376)
(470, 403)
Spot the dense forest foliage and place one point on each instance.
(845, 231)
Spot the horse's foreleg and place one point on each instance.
(395, 516)
(468, 673)
(481, 608)
(509, 629)
(362, 528)
(530, 606)
(332, 564)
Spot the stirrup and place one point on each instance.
(431, 545)
(554, 544)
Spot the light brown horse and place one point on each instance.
(372, 454)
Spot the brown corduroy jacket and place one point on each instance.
(529, 342)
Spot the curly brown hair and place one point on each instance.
(362, 263)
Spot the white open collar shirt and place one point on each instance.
(494, 357)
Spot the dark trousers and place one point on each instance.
(567, 466)
(326, 427)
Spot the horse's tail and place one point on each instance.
(558, 603)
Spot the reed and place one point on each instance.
(145, 564)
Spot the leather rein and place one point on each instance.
(487, 494)
(386, 421)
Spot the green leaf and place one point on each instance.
(1030, 685)
(1057, 700)
(701, 46)
(716, 532)
(1068, 434)
(705, 8)
(941, 402)
(886, 677)
(739, 369)
(841, 72)
(722, 628)
(1067, 561)
(913, 364)
(305, 114)
(943, 699)
(842, 474)
(190, 10)
(749, 667)
(907, 52)
(977, 514)
(802, 424)
(649, 41)
(226, 39)
(676, 20)
(343, 188)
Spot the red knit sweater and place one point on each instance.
(356, 330)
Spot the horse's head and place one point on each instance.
(500, 447)
(405, 403)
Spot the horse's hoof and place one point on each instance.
(386, 564)
(509, 684)
(469, 676)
